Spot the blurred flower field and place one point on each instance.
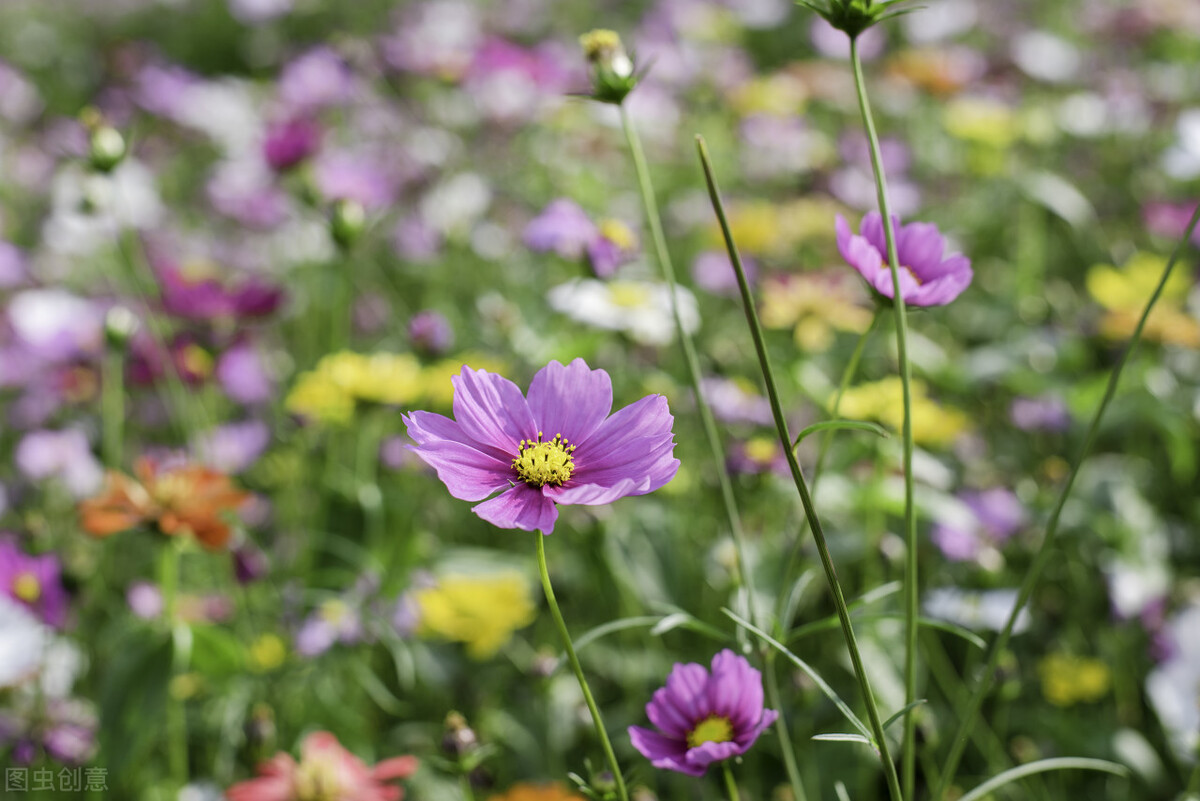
(385, 415)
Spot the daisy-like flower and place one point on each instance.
(326, 772)
(558, 446)
(704, 718)
(927, 276)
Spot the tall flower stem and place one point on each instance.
(730, 784)
(112, 406)
(176, 713)
(743, 577)
(785, 437)
(654, 221)
(1046, 549)
(605, 743)
(911, 598)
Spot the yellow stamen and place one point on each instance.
(27, 588)
(317, 780)
(540, 463)
(713, 729)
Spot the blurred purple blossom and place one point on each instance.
(144, 599)
(233, 447)
(1045, 413)
(290, 141)
(34, 582)
(316, 80)
(65, 455)
(563, 228)
(713, 272)
(430, 332)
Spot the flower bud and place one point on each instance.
(347, 222)
(852, 17)
(120, 324)
(613, 73)
(459, 739)
(106, 149)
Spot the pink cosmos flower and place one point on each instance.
(558, 446)
(704, 718)
(927, 278)
(326, 770)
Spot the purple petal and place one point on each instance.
(919, 247)
(427, 428)
(491, 409)
(705, 754)
(910, 290)
(571, 400)
(747, 738)
(520, 507)
(735, 690)
(685, 690)
(862, 256)
(871, 230)
(595, 494)
(635, 443)
(662, 752)
(469, 474)
(668, 717)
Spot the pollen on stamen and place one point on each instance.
(539, 462)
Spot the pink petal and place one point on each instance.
(491, 409)
(468, 474)
(520, 507)
(571, 400)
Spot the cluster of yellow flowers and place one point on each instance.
(883, 401)
(1123, 294)
(480, 611)
(776, 229)
(332, 391)
(816, 306)
(1069, 680)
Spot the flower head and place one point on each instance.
(34, 582)
(481, 611)
(179, 499)
(326, 772)
(558, 446)
(613, 73)
(927, 277)
(704, 718)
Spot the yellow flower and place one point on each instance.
(816, 306)
(1068, 680)
(331, 391)
(526, 791)
(883, 401)
(1123, 293)
(267, 653)
(480, 611)
(981, 121)
(781, 94)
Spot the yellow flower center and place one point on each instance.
(627, 295)
(713, 729)
(27, 588)
(618, 233)
(599, 43)
(904, 269)
(316, 780)
(335, 611)
(197, 360)
(540, 463)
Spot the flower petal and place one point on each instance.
(571, 400)
(635, 443)
(685, 690)
(746, 739)
(468, 474)
(595, 494)
(428, 427)
(920, 247)
(663, 752)
(732, 681)
(491, 409)
(520, 507)
(705, 754)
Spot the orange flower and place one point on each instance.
(185, 499)
(537, 792)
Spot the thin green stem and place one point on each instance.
(176, 712)
(654, 222)
(908, 754)
(730, 784)
(729, 501)
(112, 406)
(847, 376)
(835, 587)
(1045, 550)
(622, 793)
(775, 699)
(464, 783)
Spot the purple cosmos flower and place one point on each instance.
(562, 227)
(704, 718)
(926, 278)
(430, 332)
(713, 272)
(558, 446)
(290, 142)
(34, 582)
(65, 455)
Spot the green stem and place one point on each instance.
(622, 793)
(176, 712)
(730, 784)
(464, 783)
(112, 406)
(743, 575)
(911, 596)
(654, 221)
(835, 587)
(775, 699)
(1046, 548)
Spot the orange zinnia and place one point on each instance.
(185, 499)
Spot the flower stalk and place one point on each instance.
(1046, 549)
(730, 784)
(835, 587)
(568, 646)
(911, 594)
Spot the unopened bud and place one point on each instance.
(120, 324)
(459, 739)
(347, 222)
(106, 149)
(613, 73)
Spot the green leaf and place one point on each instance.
(845, 425)
(808, 671)
(1041, 766)
(899, 714)
(844, 737)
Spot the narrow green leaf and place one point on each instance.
(846, 425)
(380, 694)
(901, 712)
(1041, 766)
(844, 737)
(808, 671)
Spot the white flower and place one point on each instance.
(973, 609)
(1174, 686)
(641, 309)
(23, 641)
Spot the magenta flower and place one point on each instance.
(704, 718)
(926, 278)
(35, 582)
(558, 446)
